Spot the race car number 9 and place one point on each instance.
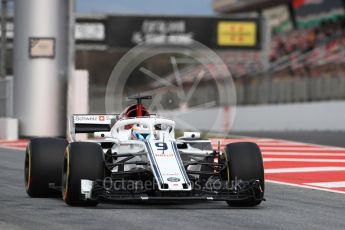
(161, 146)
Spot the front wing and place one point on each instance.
(96, 190)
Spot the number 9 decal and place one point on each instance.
(161, 146)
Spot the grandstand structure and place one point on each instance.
(307, 58)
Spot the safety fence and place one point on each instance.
(266, 90)
(258, 90)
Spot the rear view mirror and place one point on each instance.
(102, 134)
(191, 135)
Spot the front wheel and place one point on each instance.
(82, 160)
(42, 166)
(245, 162)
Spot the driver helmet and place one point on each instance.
(140, 132)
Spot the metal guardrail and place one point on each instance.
(262, 90)
(291, 90)
(6, 97)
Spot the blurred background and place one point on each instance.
(286, 59)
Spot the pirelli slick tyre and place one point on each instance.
(245, 163)
(82, 160)
(43, 163)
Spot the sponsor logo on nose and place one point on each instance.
(173, 179)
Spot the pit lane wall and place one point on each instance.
(314, 116)
(8, 128)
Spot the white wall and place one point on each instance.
(8, 128)
(299, 116)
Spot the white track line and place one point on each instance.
(274, 141)
(302, 160)
(265, 143)
(288, 144)
(312, 144)
(223, 143)
(304, 186)
(302, 154)
(246, 139)
(15, 144)
(316, 149)
(304, 169)
(335, 184)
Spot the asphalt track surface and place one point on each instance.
(286, 208)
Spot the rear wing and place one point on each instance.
(87, 123)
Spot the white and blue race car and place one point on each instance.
(136, 156)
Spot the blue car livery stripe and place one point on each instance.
(154, 158)
(179, 161)
(154, 163)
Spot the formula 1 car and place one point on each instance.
(135, 156)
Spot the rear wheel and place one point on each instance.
(43, 163)
(82, 160)
(245, 163)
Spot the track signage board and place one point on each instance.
(214, 32)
